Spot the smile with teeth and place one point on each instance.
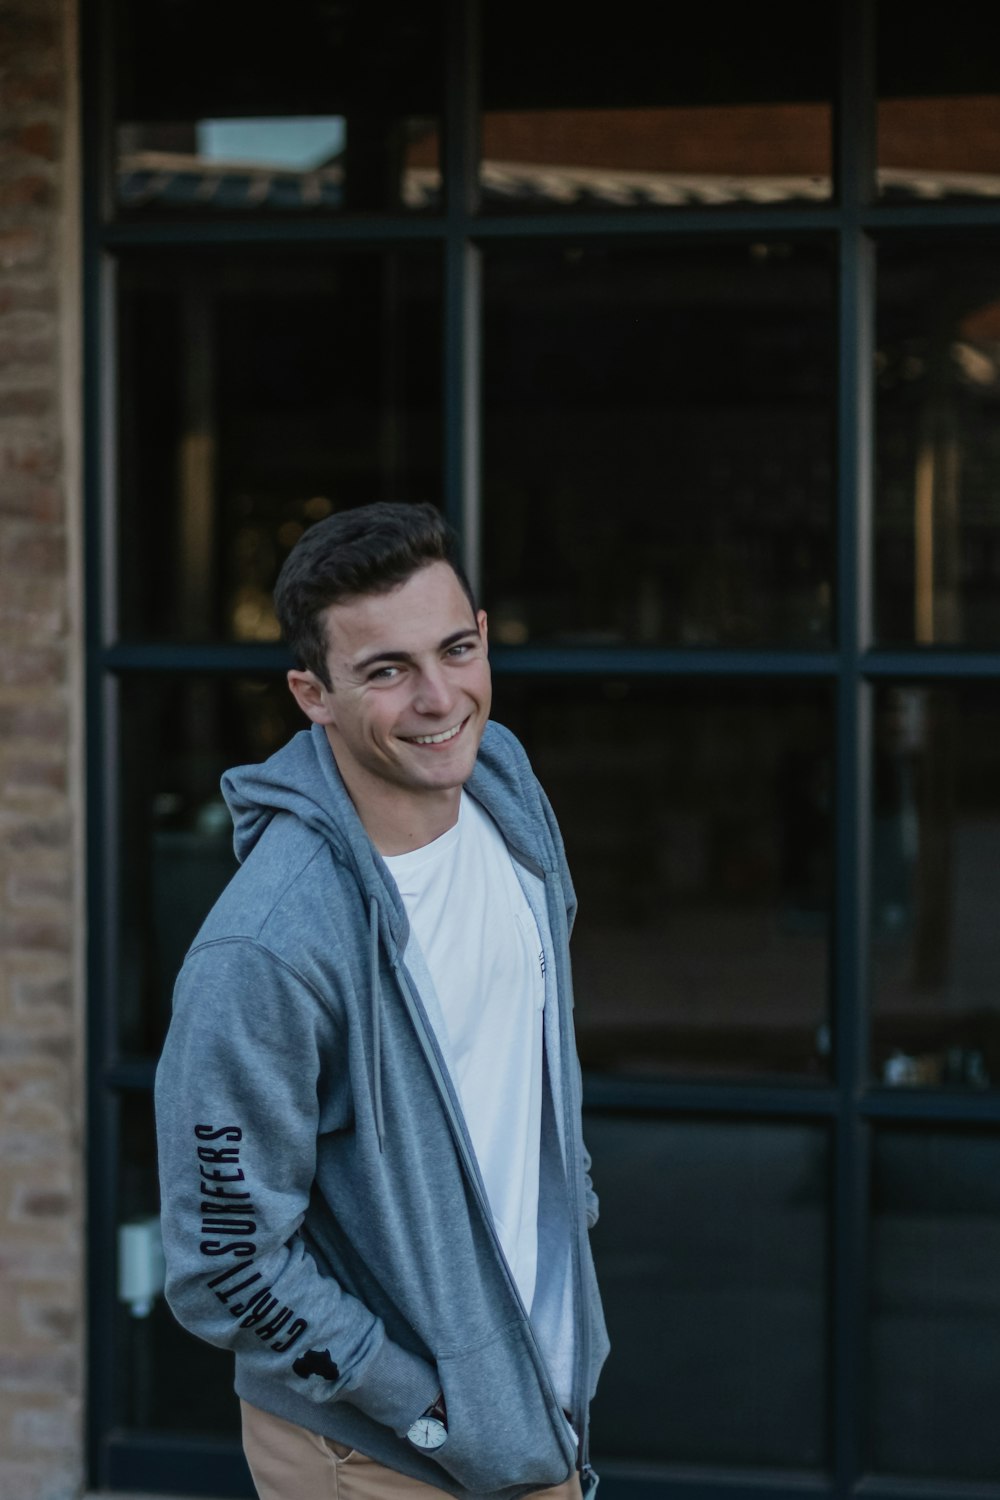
(435, 739)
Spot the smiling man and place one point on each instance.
(374, 1185)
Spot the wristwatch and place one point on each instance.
(430, 1430)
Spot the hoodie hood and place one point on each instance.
(302, 779)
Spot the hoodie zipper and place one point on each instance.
(468, 1159)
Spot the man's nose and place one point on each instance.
(434, 695)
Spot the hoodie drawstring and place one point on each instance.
(376, 1017)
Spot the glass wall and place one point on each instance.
(735, 1307)
(694, 108)
(934, 1376)
(257, 394)
(936, 843)
(690, 325)
(938, 105)
(658, 435)
(228, 109)
(698, 828)
(937, 446)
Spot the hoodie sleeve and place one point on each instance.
(237, 1123)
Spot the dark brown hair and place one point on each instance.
(368, 550)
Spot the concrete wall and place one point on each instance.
(41, 893)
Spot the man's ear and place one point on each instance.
(311, 696)
(483, 632)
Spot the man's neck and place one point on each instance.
(401, 830)
(396, 819)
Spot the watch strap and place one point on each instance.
(438, 1409)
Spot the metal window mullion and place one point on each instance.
(102, 1101)
(854, 163)
(850, 985)
(934, 1107)
(680, 1098)
(100, 720)
(657, 224)
(462, 290)
(937, 218)
(461, 399)
(360, 232)
(933, 664)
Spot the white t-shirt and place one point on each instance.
(480, 943)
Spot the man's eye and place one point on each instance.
(383, 674)
(461, 649)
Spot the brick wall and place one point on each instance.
(41, 1065)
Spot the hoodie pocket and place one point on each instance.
(500, 1430)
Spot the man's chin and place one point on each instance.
(448, 774)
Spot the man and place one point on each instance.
(374, 1184)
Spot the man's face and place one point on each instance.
(410, 689)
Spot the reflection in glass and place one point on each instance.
(712, 1254)
(178, 736)
(705, 111)
(938, 446)
(935, 1376)
(939, 104)
(697, 825)
(658, 444)
(936, 960)
(335, 108)
(259, 394)
(166, 1379)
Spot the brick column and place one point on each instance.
(41, 905)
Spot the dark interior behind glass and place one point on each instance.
(230, 108)
(658, 444)
(258, 394)
(698, 823)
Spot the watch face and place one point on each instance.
(427, 1432)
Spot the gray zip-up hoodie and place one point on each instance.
(323, 1214)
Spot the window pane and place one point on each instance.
(936, 854)
(220, 109)
(938, 445)
(658, 444)
(166, 1378)
(178, 736)
(711, 1249)
(939, 103)
(697, 824)
(259, 394)
(935, 1374)
(699, 109)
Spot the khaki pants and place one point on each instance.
(290, 1463)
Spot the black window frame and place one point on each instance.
(852, 1106)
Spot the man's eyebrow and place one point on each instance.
(390, 655)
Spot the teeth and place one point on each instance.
(435, 739)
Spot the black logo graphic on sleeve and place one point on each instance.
(228, 1227)
(316, 1362)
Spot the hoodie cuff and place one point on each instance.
(395, 1388)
